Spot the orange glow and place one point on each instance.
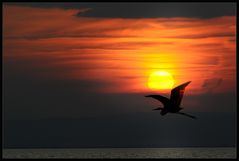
(122, 53)
(160, 80)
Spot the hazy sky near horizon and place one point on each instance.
(76, 60)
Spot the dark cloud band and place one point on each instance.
(146, 9)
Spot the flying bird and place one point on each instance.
(172, 105)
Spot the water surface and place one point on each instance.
(122, 153)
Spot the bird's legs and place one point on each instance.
(182, 113)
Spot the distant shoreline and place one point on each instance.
(108, 147)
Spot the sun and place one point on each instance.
(160, 80)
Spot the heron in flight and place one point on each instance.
(172, 105)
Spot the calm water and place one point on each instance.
(122, 153)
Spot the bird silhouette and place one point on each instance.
(172, 105)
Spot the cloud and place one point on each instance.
(92, 48)
(200, 36)
(210, 84)
(54, 22)
(144, 10)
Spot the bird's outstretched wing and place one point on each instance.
(193, 117)
(177, 94)
(162, 99)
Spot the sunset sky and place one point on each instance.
(77, 60)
